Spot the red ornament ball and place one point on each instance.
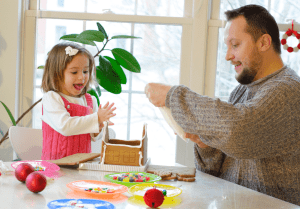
(283, 41)
(290, 49)
(289, 33)
(23, 170)
(154, 198)
(36, 182)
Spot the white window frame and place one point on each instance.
(200, 31)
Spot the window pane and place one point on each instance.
(115, 6)
(161, 138)
(120, 120)
(158, 53)
(48, 33)
(283, 10)
(234, 4)
(63, 5)
(168, 8)
(225, 73)
(172, 8)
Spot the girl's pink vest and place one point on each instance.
(56, 146)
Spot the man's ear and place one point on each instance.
(264, 42)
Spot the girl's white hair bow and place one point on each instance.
(70, 51)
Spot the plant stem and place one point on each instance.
(101, 49)
(32, 106)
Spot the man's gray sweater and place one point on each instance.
(254, 138)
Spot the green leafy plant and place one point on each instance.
(109, 73)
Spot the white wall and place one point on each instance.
(10, 25)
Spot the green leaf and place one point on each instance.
(126, 59)
(9, 113)
(123, 36)
(82, 41)
(91, 35)
(100, 28)
(94, 93)
(118, 69)
(107, 77)
(41, 67)
(66, 37)
(98, 90)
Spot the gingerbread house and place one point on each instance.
(124, 152)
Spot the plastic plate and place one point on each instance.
(139, 190)
(81, 185)
(48, 169)
(85, 203)
(153, 178)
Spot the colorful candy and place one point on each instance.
(39, 168)
(99, 190)
(131, 177)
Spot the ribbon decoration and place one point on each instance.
(287, 34)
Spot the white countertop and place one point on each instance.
(207, 192)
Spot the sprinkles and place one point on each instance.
(131, 177)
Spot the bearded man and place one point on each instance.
(253, 139)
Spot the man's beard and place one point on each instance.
(246, 76)
(248, 73)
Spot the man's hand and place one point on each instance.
(196, 139)
(157, 93)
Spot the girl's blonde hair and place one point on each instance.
(56, 64)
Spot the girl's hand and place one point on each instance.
(105, 113)
(101, 125)
(196, 139)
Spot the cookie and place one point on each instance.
(173, 176)
(178, 172)
(179, 178)
(163, 174)
(187, 172)
(189, 179)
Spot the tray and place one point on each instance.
(75, 159)
(153, 178)
(80, 185)
(95, 165)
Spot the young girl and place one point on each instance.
(71, 117)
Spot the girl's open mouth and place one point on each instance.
(78, 86)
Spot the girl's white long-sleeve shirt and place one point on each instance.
(56, 115)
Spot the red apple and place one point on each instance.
(154, 197)
(36, 182)
(23, 170)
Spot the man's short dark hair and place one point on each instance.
(259, 21)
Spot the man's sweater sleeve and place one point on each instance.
(208, 160)
(254, 129)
